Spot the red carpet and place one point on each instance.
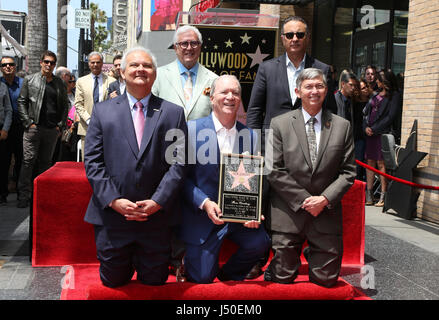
(87, 286)
(61, 237)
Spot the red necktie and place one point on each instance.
(139, 122)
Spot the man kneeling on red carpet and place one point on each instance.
(312, 167)
(202, 228)
(135, 191)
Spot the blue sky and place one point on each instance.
(73, 34)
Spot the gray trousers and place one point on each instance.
(38, 147)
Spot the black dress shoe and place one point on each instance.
(255, 272)
(306, 253)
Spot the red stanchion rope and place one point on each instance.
(412, 184)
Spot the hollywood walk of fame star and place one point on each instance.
(241, 177)
(228, 43)
(257, 57)
(245, 38)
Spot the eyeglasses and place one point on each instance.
(52, 63)
(290, 35)
(8, 64)
(185, 45)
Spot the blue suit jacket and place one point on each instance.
(203, 179)
(116, 168)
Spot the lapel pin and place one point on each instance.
(327, 124)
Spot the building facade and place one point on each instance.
(396, 34)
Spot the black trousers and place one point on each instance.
(123, 251)
(13, 145)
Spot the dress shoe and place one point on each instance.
(306, 253)
(23, 204)
(178, 272)
(255, 272)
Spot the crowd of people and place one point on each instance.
(157, 217)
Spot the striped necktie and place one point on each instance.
(312, 141)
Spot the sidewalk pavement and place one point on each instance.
(401, 259)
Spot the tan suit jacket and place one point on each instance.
(84, 98)
(168, 86)
(293, 179)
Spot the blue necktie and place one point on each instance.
(96, 91)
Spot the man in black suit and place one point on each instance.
(116, 88)
(273, 90)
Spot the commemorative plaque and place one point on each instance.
(240, 187)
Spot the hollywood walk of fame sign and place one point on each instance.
(238, 51)
(240, 188)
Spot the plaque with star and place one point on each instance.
(240, 187)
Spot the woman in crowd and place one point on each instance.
(379, 113)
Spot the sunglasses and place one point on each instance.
(52, 63)
(185, 45)
(8, 64)
(290, 35)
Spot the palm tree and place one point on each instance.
(61, 30)
(36, 32)
(97, 16)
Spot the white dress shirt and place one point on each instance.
(293, 73)
(226, 140)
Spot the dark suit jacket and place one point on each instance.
(293, 179)
(271, 94)
(114, 86)
(116, 168)
(203, 179)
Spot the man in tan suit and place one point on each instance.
(173, 83)
(90, 89)
(312, 168)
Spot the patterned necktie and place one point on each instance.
(312, 141)
(188, 88)
(139, 123)
(96, 91)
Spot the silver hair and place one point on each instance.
(212, 89)
(95, 53)
(295, 18)
(123, 63)
(308, 74)
(61, 71)
(184, 29)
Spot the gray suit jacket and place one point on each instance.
(293, 178)
(168, 86)
(5, 108)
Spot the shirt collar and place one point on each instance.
(16, 80)
(301, 65)
(218, 125)
(306, 116)
(100, 76)
(132, 101)
(183, 69)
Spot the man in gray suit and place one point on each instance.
(312, 168)
(184, 81)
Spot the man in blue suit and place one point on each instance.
(202, 229)
(136, 175)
